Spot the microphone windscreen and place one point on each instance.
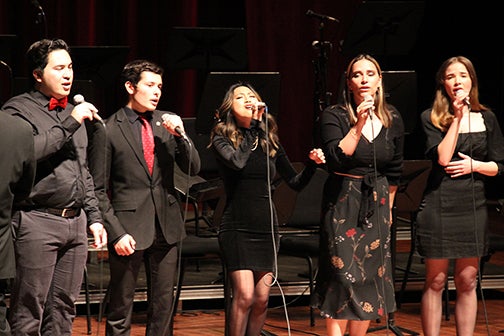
(78, 98)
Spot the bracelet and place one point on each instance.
(353, 132)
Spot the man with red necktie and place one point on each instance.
(51, 225)
(132, 161)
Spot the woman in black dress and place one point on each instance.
(465, 144)
(249, 155)
(363, 139)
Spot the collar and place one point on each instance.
(133, 115)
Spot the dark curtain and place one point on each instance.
(279, 39)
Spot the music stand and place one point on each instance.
(408, 197)
(102, 65)
(267, 85)
(207, 48)
(7, 43)
(384, 28)
(7, 46)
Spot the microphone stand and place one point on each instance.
(390, 318)
(41, 17)
(321, 97)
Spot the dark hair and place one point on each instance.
(38, 53)
(226, 123)
(133, 70)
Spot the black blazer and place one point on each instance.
(17, 169)
(130, 198)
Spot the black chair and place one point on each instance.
(206, 189)
(195, 247)
(300, 229)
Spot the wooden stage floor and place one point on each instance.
(211, 322)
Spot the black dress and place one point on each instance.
(355, 279)
(249, 225)
(452, 221)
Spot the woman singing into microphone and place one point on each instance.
(249, 154)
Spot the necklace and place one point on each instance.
(256, 142)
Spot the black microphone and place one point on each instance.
(177, 129)
(320, 16)
(78, 99)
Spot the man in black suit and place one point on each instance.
(17, 168)
(142, 211)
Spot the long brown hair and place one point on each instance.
(226, 123)
(442, 114)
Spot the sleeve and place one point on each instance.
(334, 126)
(495, 140)
(187, 157)
(100, 160)
(91, 202)
(395, 166)
(48, 142)
(294, 180)
(235, 158)
(433, 136)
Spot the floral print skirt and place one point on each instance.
(354, 279)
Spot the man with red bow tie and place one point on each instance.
(51, 225)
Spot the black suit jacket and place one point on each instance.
(130, 198)
(17, 171)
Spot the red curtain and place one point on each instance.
(279, 39)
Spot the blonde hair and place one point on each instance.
(381, 109)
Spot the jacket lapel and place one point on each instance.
(127, 131)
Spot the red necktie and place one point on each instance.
(147, 143)
(53, 103)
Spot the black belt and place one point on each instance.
(65, 212)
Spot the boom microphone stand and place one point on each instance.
(321, 97)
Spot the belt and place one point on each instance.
(65, 212)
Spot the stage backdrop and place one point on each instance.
(279, 36)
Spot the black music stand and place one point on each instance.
(207, 48)
(102, 65)
(216, 85)
(408, 197)
(7, 47)
(384, 28)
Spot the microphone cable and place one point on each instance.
(184, 219)
(102, 249)
(476, 236)
(377, 211)
(272, 223)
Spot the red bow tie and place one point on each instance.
(53, 103)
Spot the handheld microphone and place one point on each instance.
(467, 99)
(177, 129)
(370, 111)
(78, 99)
(261, 105)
